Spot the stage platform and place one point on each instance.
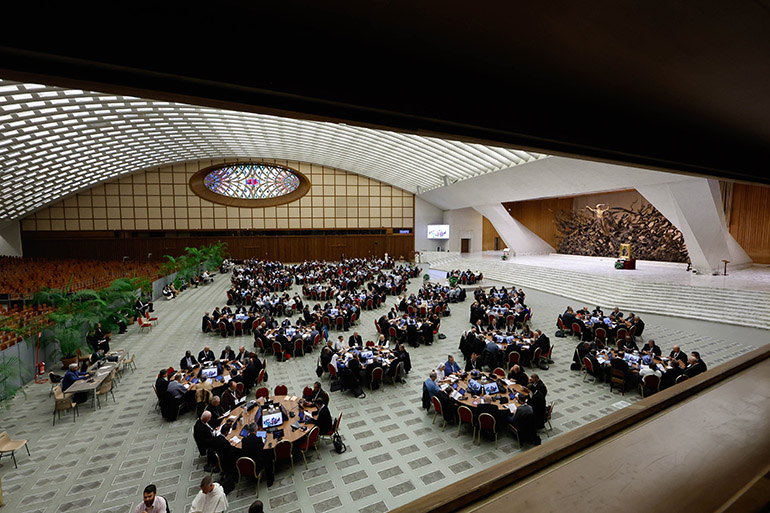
(741, 298)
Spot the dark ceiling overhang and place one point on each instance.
(680, 86)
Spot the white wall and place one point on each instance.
(464, 223)
(10, 238)
(424, 214)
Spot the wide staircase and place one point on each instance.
(738, 307)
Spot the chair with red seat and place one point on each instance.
(600, 334)
(370, 343)
(513, 357)
(238, 328)
(247, 468)
(334, 429)
(222, 328)
(340, 322)
(376, 378)
(298, 349)
(487, 423)
(262, 392)
(332, 372)
(651, 384)
(589, 369)
(151, 319)
(144, 325)
(439, 411)
(465, 416)
(499, 372)
(261, 377)
(535, 357)
(307, 392)
(239, 388)
(621, 334)
(283, 451)
(577, 331)
(311, 440)
(278, 351)
(281, 390)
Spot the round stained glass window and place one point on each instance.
(251, 181)
(249, 184)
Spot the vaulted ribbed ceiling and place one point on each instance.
(56, 141)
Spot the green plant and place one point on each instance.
(9, 379)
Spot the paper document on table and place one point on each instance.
(235, 440)
(227, 379)
(456, 395)
(232, 417)
(512, 407)
(508, 382)
(186, 385)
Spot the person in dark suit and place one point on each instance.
(616, 315)
(161, 385)
(250, 375)
(227, 354)
(217, 411)
(639, 326)
(230, 396)
(517, 375)
(627, 345)
(242, 355)
(188, 361)
(669, 377)
(473, 363)
(537, 401)
(355, 340)
(542, 341)
(537, 385)
(252, 447)
(323, 418)
(677, 354)
(524, 422)
(651, 349)
(695, 365)
(205, 323)
(203, 433)
(206, 355)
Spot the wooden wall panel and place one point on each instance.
(488, 236)
(750, 220)
(537, 215)
(286, 248)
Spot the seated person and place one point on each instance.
(323, 418)
(317, 393)
(431, 385)
(252, 447)
(616, 315)
(71, 376)
(517, 375)
(650, 369)
(695, 365)
(188, 361)
(451, 366)
(227, 354)
(651, 349)
(231, 396)
(627, 345)
(440, 371)
(207, 355)
(523, 420)
(217, 411)
(677, 354)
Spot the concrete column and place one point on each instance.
(10, 238)
(695, 207)
(520, 239)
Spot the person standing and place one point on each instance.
(151, 503)
(210, 499)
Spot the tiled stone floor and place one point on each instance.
(102, 462)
